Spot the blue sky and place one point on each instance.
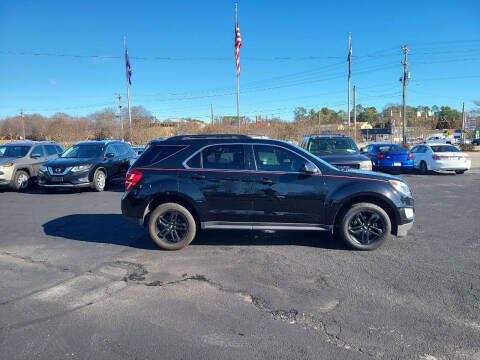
(293, 54)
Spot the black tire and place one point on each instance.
(99, 181)
(459, 171)
(172, 226)
(423, 168)
(21, 181)
(365, 226)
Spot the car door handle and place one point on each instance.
(198, 177)
(267, 181)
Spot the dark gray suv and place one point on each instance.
(338, 150)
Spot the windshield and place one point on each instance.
(86, 151)
(444, 148)
(332, 146)
(14, 151)
(391, 148)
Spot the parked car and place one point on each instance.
(390, 157)
(89, 164)
(440, 157)
(338, 150)
(186, 183)
(19, 162)
(476, 142)
(439, 139)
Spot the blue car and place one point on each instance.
(389, 157)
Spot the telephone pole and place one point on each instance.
(211, 109)
(405, 50)
(355, 113)
(119, 97)
(23, 123)
(464, 120)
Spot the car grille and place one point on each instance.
(347, 166)
(58, 170)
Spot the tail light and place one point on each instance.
(410, 156)
(381, 156)
(439, 157)
(466, 156)
(132, 178)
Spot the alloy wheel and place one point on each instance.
(22, 181)
(367, 227)
(100, 180)
(172, 226)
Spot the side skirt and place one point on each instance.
(264, 226)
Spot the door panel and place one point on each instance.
(36, 162)
(224, 182)
(282, 193)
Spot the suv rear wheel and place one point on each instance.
(365, 226)
(172, 226)
(21, 180)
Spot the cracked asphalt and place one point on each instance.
(79, 282)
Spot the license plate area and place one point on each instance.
(56, 179)
(397, 164)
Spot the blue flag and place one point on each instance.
(128, 67)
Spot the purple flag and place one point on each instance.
(128, 67)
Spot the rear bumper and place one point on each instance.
(438, 165)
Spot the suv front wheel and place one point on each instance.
(172, 226)
(21, 180)
(365, 226)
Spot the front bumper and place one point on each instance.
(6, 176)
(402, 230)
(69, 181)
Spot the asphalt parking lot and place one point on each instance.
(78, 282)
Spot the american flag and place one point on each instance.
(349, 58)
(238, 44)
(128, 67)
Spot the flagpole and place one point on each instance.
(238, 79)
(348, 111)
(128, 91)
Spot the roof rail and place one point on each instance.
(209, 136)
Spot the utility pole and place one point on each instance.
(464, 118)
(355, 113)
(318, 114)
(127, 69)
(119, 97)
(405, 50)
(23, 123)
(211, 109)
(349, 76)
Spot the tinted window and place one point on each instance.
(272, 158)
(391, 148)
(195, 162)
(59, 149)
(51, 150)
(444, 148)
(224, 157)
(85, 151)
(14, 151)
(329, 146)
(38, 150)
(119, 149)
(157, 153)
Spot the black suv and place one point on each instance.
(237, 182)
(87, 164)
(338, 150)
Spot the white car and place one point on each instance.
(439, 139)
(440, 157)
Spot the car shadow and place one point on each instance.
(114, 229)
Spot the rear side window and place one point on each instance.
(157, 153)
(51, 150)
(225, 157)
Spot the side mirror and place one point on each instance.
(109, 155)
(310, 168)
(363, 150)
(35, 156)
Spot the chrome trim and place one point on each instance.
(50, 171)
(70, 186)
(263, 226)
(184, 163)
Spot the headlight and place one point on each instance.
(401, 187)
(43, 168)
(81, 168)
(366, 165)
(7, 165)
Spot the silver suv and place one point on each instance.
(19, 162)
